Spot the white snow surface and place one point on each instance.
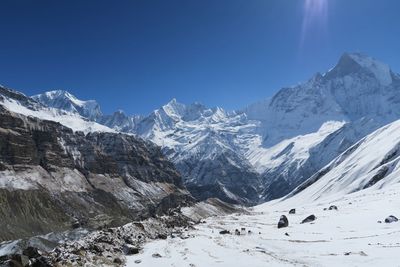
(350, 236)
(71, 120)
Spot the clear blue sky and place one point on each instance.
(137, 55)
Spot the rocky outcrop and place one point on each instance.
(54, 179)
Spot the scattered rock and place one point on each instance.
(237, 232)
(362, 253)
(31, 252)
(156, 255)
(117, 261)
(379, 221)
(309, 219)
(391, 219)
(292, 211)
(162, 236)
(286, 234)
(224, 232)
(333, 207)
(137, 261)
(130, 250)
(283, 222)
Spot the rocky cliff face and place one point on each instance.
(53, 179)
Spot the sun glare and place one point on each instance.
(315, 14)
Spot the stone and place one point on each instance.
(117, 261)
(309, 219)
(130, 250)
(333, 207)
(391, 219)
(283, 222)
(156, 255)
(292, 211)
(31, 252)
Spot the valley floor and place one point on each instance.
(350, 236)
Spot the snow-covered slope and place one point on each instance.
(349, 236)
(351, 200)
(371, 162)
(63, 100)
(19, 103)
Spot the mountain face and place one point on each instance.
(372, 162)
(267, 149)
(65, 101)
(53, 178)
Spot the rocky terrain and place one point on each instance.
(109, 246)
(55, 179)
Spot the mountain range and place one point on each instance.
(268, 148)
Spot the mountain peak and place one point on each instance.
(64, 100)
(350, 63)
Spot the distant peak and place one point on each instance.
(173, 103)
(354, 62)
(54, 93)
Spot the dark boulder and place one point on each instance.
(391, 219)
(309, 219)
(31, 252)
(162, 236)
(292, 211)
(224, 232)
(117, 261)
(283, 222)
(130, 250)
(333, 207)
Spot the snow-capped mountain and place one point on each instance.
(19, 103)
(359, 93)
(63, 100)
(270, 147)
(201, 142)
(55, 178)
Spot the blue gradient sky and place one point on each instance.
(137, 55)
